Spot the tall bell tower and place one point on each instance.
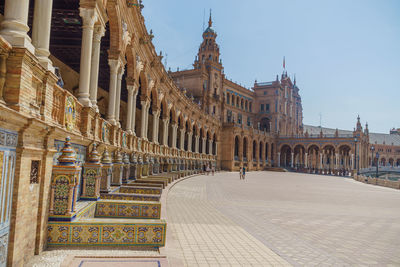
(208, 60)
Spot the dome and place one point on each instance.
(209, 30)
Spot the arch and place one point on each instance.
(260, 150)
(241, 103)
(195, 133)
(391, 162)
(299, 156)
(244, 148)
(236, 148)
(286, 155)
(115, 24)
(266, 152)
(246, 105)
(398, 162)
(214, 145)
(254, 150)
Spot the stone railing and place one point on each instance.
(377, 181)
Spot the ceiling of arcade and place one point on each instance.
(65, 44)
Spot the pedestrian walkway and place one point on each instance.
(279, 218)
(208, 238)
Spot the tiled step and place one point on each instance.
(125, 196)
(128, 209)
(140, 190)
(107, 232)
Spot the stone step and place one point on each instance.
(140, 190)
(107, 232)
(133, 183)
(150, 181)
(128, 209)
(168, 178)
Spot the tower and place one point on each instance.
(208, 61)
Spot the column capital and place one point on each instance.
(132, 88)
(114, 65)
(98, 32)
(121, 71)
(89, 16)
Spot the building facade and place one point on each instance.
(87, 111)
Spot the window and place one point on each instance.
(248, 121)
(265, 92)
(240, 118)
(262, 107)
(250, 106)
(213, 109)
(228, 99)
(267, 107)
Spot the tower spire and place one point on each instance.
(210, 20)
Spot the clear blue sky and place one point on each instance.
(345, 54)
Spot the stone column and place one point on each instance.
(210, 146)
(291, 163)
(94, 71)
(131, 89)
(156, 116)
(352, 161)
(143, 132)
(306, 160)
(165, 131)
(114, 66)
(174, 132)
(204, 145)
(190, 135)
(41, 32)
(133, 118)
(89, 17)
(14, 27)
(182, 141)
(196, 145)
(118, 97)
(320, 161)
(336, 160)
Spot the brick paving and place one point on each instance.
(308, 220)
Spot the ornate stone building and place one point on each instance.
(91, 123)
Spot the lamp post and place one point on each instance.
(355, 153)
(377, 160)
(372, 155)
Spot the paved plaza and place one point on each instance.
(280, 219)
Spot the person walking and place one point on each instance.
(244, 173)
(240, 173)
(208, 169)
(212, 170)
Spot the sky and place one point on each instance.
(345, 54)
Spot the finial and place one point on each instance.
(68, 155)
(210, 20)
(106, 159)
(94, 155)
(117, 156)
(294, 82)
